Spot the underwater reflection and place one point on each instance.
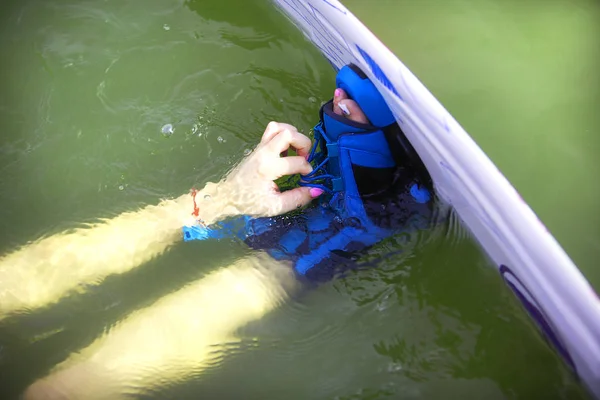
(463, 323)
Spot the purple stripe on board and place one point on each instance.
(537, 314)
(334, 6)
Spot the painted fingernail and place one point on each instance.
(315, 192)
(337, 93)
(344, 108)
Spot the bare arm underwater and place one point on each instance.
(50, 268)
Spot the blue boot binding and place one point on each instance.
(372, 190)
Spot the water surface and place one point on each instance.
(88, 86)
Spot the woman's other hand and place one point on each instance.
(254, 191)
(249, 189)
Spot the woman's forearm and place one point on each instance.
(44, 271)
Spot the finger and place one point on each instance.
(343, 105)
(338, 95)
(273, 129)
(351, 110)
(290, 138)
(290, 166)
(295, 198)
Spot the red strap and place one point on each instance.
(196, 211)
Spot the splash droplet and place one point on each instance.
(312, 99)
(247, 152)
(167, 129)
(166, 27)
(121, 187)
(394, 367)
(220, 139)
(194, 129)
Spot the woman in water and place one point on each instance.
(368, 184)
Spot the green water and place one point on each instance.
(87, 85)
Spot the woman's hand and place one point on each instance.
(254, 191)
(249, 189)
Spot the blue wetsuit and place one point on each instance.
(374, 187)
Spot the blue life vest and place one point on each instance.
(370, 192)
